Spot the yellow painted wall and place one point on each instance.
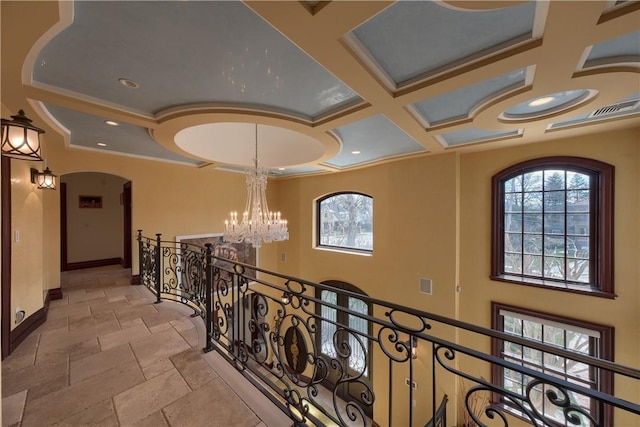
(415, 224)
(27, 237)
(620, 149)
(171, 199)
(416, 234)
(94, 234)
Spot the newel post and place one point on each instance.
(140, 263)
(158, 271)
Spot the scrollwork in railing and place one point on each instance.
(421, 324)
(559, 398)
(171, 270)
(392, 346)
(148, 264)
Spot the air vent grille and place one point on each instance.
(425, 286)
(615, 108)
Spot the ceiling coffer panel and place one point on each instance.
(182, 53)
(414, 39)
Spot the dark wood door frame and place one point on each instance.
(126, 192)
(5, 182)
(63, 226)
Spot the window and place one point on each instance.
(553, 224)
(345, 221)
(569, 334)
(343, 327)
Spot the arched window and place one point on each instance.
(345, 221)
(553, 224)
(344, 325)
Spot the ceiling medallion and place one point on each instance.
(547, 104)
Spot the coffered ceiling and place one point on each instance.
(331, 85)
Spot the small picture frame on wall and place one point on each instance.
(90, 202)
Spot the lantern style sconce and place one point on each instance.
(46, 180)
(20, 139)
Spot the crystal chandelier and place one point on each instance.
(258, 223)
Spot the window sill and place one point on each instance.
(344, 250)
(555, 286)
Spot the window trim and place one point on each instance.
(318, 219)
(605, 348)
(602, 193)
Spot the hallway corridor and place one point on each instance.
(109, 356)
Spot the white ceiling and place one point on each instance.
(333, 85)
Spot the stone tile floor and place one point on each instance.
(108, 356)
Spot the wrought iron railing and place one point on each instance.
(326, 363)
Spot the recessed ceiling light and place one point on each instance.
(111, 123)
(541, 101)
(280, 169)
(102, 144)
(129, 83)
(355, 152)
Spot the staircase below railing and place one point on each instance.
(326, 363)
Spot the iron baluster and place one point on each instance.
(208, 296)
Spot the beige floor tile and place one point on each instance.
(15, 363)
(195, 371)
(64, 403)
(100, 323)
(182, 324)
(12, 408)
(47, 387)
(97, 363)
(156, 419)
(163, 316)
(134, 312)
(190, 336)
(99, 415)
(108, 306)
(28, 346)
(199, 409)
(116, 291)
(76, 344)
(260, 405)
(94, 296)
(133, 322)
(158, 346)
(62, 301)
(141, 401)
(161, 327)
(124, 336)
(157, 368)
(33, 375)
(53, 326)
(68, 310)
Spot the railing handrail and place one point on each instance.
(613, 367)
(235, 299)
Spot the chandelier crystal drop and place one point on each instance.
(258, 223)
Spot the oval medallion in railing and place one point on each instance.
(295, 350)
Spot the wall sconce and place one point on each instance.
(413, 345)
(46, 180)
(285, 298)
(20, 139)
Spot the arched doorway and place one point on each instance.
(95, 220)
(342, 327)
